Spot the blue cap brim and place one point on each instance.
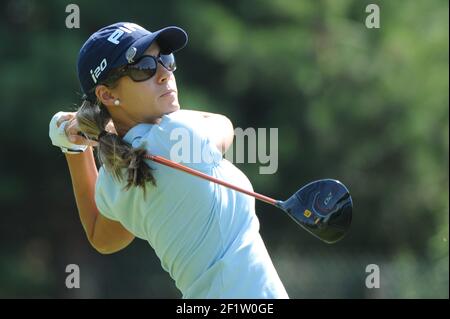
(170, 40)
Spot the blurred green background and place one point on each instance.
(366, 106)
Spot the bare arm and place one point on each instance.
(105, 235)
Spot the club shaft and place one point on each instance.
(166, 162)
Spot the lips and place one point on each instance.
(167, 93)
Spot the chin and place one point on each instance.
(171, 107)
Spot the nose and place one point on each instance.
(162, 74)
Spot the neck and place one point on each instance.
(122, 127)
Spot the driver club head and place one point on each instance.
(323, 208)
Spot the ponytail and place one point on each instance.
(112, 151)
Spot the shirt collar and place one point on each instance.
(137, 131)
(141, 129)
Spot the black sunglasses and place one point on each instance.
(145, 67)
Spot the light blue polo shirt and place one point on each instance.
(206, 235)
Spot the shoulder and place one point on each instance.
(177, 123)
(178, 119)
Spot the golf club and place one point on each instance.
(323, 207)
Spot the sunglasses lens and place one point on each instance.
(168, 61)
(146, 67)
(143, 70)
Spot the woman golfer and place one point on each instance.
(206, 235)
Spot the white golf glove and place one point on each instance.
(59, 137)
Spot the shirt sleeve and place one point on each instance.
(101, 196)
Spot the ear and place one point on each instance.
(105, 95)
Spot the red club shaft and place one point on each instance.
(164, 161)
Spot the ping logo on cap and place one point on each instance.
(126, 27)
(98, 70)
(129, 55)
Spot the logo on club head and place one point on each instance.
(327, 200)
